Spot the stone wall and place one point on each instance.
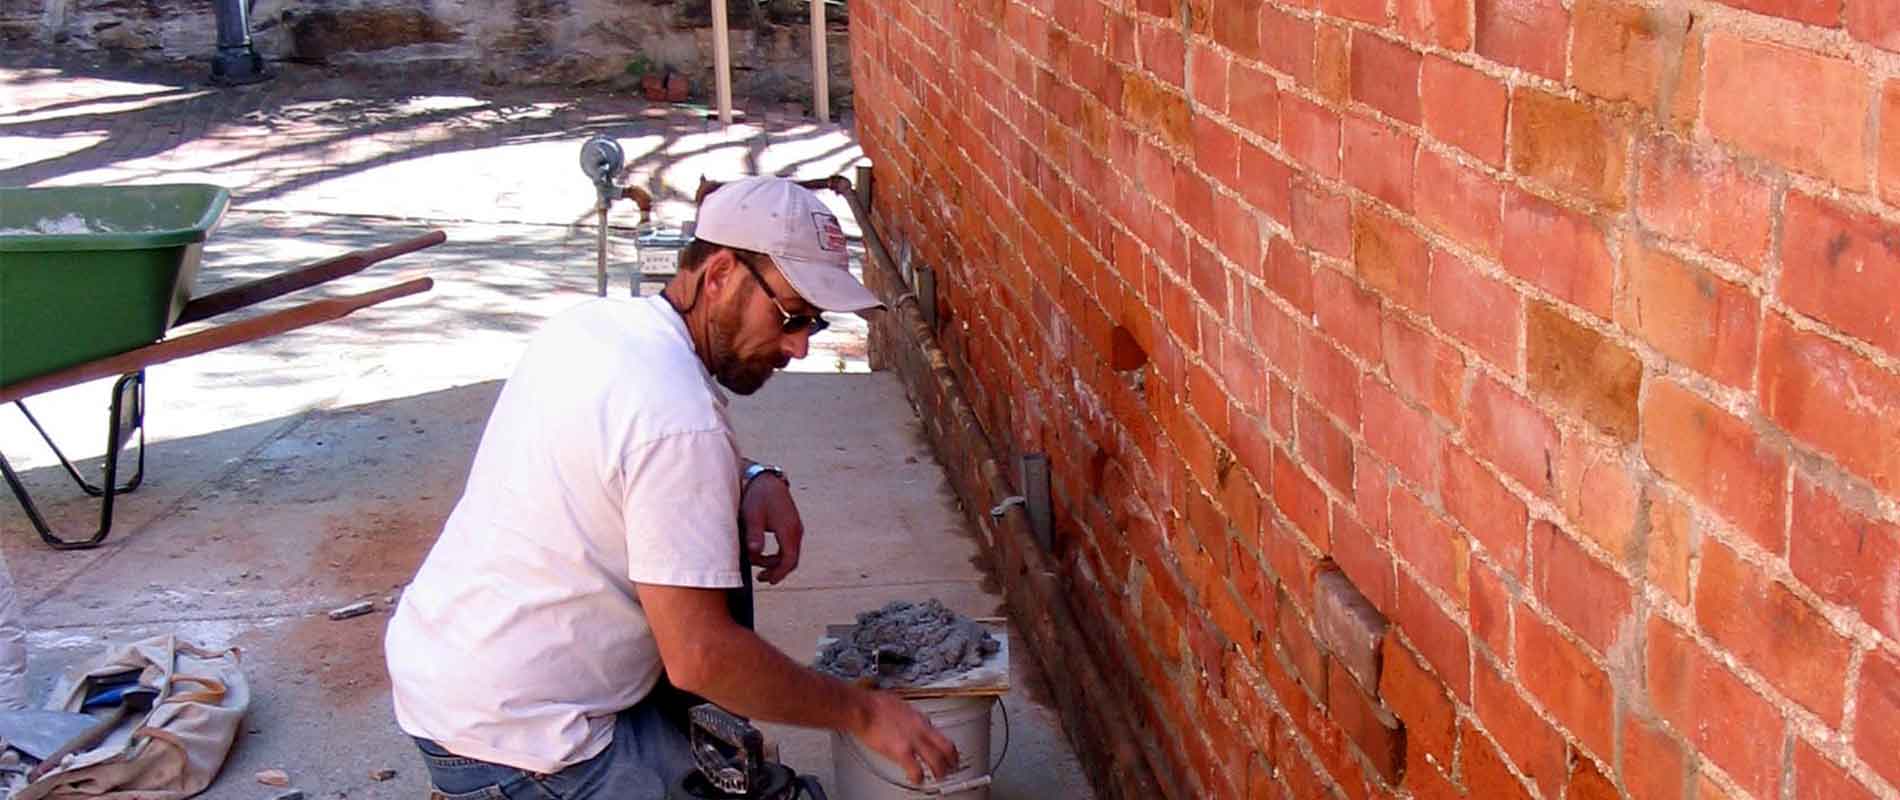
(1444, 398)
(499, 41)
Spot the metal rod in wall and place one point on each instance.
(722, 62)
(820, 70)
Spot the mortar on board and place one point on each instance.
(952, 669)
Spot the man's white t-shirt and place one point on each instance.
(608, 461)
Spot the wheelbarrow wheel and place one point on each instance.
(127, 420)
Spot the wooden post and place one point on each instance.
(722, 62)
(820, 67)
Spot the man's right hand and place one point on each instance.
(894, 729)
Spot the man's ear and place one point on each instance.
(720, 268)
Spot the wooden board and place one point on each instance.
(989, 680)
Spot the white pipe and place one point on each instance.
(722, 62)
(820, 70)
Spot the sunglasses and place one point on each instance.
(813, 323)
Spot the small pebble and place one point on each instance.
(273, 777)
(356, 609)
(382, 775)
(293, 794)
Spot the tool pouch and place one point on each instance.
(169, 752)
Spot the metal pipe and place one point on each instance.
(820, 68)
(722, 62)
(600, 264)
(236, 62)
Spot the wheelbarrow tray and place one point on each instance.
(90, 271)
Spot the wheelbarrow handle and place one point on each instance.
(253, 292)
(220, 337)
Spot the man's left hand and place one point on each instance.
(767, 506)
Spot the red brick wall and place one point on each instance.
(1568, 330)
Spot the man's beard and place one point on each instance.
(739, 375)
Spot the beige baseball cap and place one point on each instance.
(788, 222)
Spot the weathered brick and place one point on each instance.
(1347, 312)
(1322, 219)
(1841, 267)
(1400, 435)
(1152, 106)
(1353, 630)
(1692, 316)
(1425, 369)
(1479, 311)
(1485, 773)
(1439, 552)
(1374, 730)
(1491, 611)
(1300, 499)
(1654, 767)
(1845, 556)
(1163, 52)
(1369, 11)
(1504, 428)
(1332, 62)
(1290, 274)
(1826, 13)
(1717, 458)
(1378, 160)
(1876, 738)
(1569, 145)
(1385, 75)
(1816, 778)
(1801, 109)
(1600, 496)
(1708, 704)
(1531, 743)
(1875, 23)
(1370, 488)
(1419, 700)
(1699, 195)
(1326, 448)
(1575, 691)
(1237, 28)
(1890, 142)
(1300, 646)
(1621, 51)
(1494, 516)
(1533, 34)
(1855, 423)
(1438, 638)
(1670, 545)
(1310, 133)
(1773, 631)
(1287, 42)
(1464, 107)
(1446, 23)
(1358, 554)
(1216, 153)
(1581, 592)
(1254, 101)
(1559, 250)
(1390, 257)
(1266, 183)
(1583, 370)
(1207, 77)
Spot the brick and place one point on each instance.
(1369, 11)
(1580, 591)
(1532, 34)
(1266, 183)
(1875, 23)
(1419, 700)
(1600, 497)
(1164, 53)
(1584, 371)
(1332, 62)
(1290, 274)
(1826, 13)
(1374, 730)
(1445, 23)
(1359, 556)
(1697, 319)
(1353, 630)
(1717, 458)
(1216, 153)
(1816, 778)
(1300, 647)
(1568, 145)
(1437, 637)
(1254, 101)
(1654, 767)
(1439, 552)
(1401, 435)
(1841, 266)
(1682, 99)
(1322, 219)
(1708, 704)
(1491, 611)
(1423, 368)
(1485, 773)
(1153, 107)
(1670, 545)
(1301, 500)
(1834, 400)
(1621, 51)
(1845, 556)
(1800, 109)
(1505, 429)
(1207, 78)
(1559, 250)
(1378, 161)
(1495, 517)
(1385, 75)
(1575, 691)
(1370, 488)
(1773, 631)
(1327, 448)
(1311, 135)
(1479, 311)
(1348, 313)
(1463, 107)
(1237, 28)
(1700, 196)
(1287, 43)
(1876, 738)
(1459, 202)
(1531, 743)
(1390, 257)
(1889, 153)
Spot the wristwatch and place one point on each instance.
(757, 469)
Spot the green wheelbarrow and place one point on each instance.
(92, 278)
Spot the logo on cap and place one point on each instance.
(830, 235)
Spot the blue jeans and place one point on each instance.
(647, 757)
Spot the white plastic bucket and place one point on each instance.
(860, 774)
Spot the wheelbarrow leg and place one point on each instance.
(128, 414)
